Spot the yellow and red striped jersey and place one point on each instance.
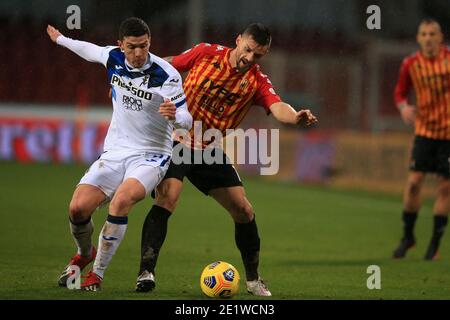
(431, 81)
(217, 94)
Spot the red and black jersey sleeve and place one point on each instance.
(265, 94)
(404, 82)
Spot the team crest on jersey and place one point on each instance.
(144, 80)
(244, 84)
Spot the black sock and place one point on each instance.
(409, 220)
(154, 233)
(248, 242)
(440, 222)
(80, 223)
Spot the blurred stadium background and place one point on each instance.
(54, 107)
(323, 57)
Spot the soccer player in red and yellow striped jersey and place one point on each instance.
(428, 72)
(219, 94)
(221, 86)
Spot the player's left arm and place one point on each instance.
(174, 107)
(282, 111)
(88, 51)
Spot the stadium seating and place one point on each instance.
(45, 73)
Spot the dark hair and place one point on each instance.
(133, 27)
(259, 32)
(428, 21)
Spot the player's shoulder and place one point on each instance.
(114, 51)
(114, 56)
(209, 48)
(411, 58)
(446, 49)
(262, 79)
(258, 72)
(165, 69)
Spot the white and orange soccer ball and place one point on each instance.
(220, 280)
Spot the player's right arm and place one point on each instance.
(402, 88)
(86, 50)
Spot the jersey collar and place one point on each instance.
(440, 55)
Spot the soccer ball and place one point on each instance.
(219, 280)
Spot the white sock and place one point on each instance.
(82, 234)
(109, 240)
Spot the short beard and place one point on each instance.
(242, 69)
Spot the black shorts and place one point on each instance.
(430, 155)
(203, 176)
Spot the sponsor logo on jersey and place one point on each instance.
(218, 92)
(176, 97)
(117, 81)
(216, 65)
(131, 103)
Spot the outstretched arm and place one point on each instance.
(283, 112)
(86, 50)
(266, 96)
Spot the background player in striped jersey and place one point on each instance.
(428, 71)
(221, 86)
(137, 147)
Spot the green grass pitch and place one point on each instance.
(316, 242)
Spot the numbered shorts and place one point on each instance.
(107, 174)
(430, 155)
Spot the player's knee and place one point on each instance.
(121, 202)
(444, 189)
(78, 212)
(414, 187)
(243, 212)
(167, 199)
(167, 202)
